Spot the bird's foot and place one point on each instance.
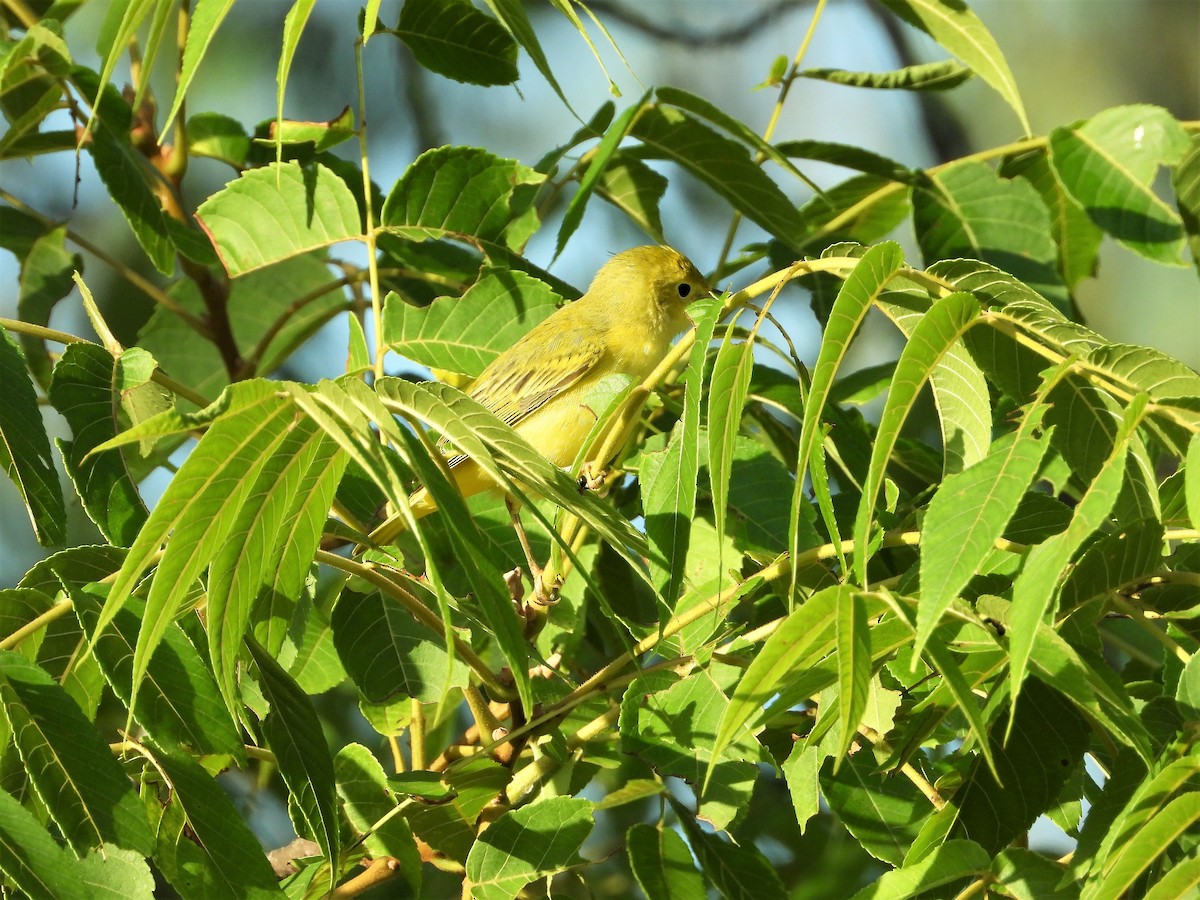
(594, 477)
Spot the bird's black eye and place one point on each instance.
(684, 289)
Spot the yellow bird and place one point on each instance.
(623, 325)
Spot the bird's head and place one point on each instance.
(652, 282)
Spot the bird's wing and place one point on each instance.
(533, 372)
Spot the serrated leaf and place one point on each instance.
(668, 485)
(804, 629)
(882, 811)
(513, 16)
(853, 670)
(737, 872)
(82, 390)
(938, 76)
(464, 334)
(634, 188)
(966, 516)
(46, 270)
(727, 391)
(939, 329)
(124, 174)
(1036, 589)
(25, 449)
(967, 210)
(294, 735)
(662, 864)
(228, 860)
(366, 798)
(959, 30)
(256, 575)
(179, 703)
(1108, 164)
(387, 653)
(497, 869)
(453, 38)
(1156, 836)
(862, 286)
(277, 212)
(960, 391)
(195, 512)
(29, 857)
(70, 767)
(464, 191)
(945, 864)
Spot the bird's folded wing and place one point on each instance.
(527, 376)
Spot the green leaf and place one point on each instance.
(258, 572)
(1144, 847)
(25, 449)
(1027, 875)
(662, 864)
(1192, 480)
(1090, 685)
(960, 389)
(861, 288)
(801, 770)
(668, 480)
(113, 874)
(673, 730)
(849, 156)
(966, 516)
(218, 136)
(967, 210)
(498, 867)
(366, 799)
(206, 17)
(179, 703)
(464, 334)
(853, 670)
(1076, 237)
(945, 864)
(1179, 881)
(1035, 591)
(277, 212)
(71, 768)
(1186, 181)
(882, 811)
(1047, 739)
(737, 872)
(225, 858)
(938, 76)
(293, 30)
(46, 277)
(195, 512)
(634, 188)
(937, 332)
(784, 652)
(124, 173)
(727, 391)
(29, 858)
(83, 391)
(449, 827)
(464, 192)
(386, 652)
(294, 735)
(1108, 165)
(722, 164)
(959, 31)
(453, 38)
